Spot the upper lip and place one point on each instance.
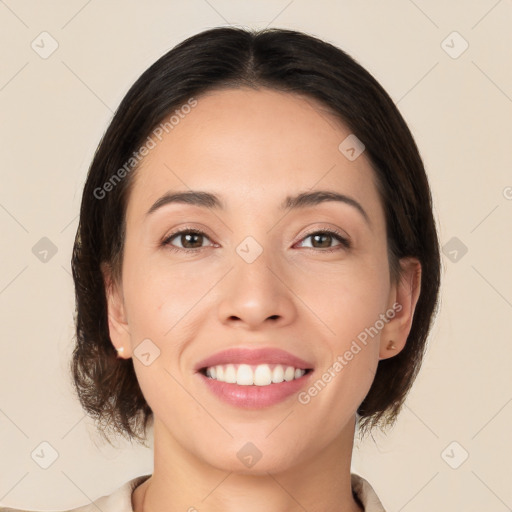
(253, 356)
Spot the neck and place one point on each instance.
(181, 481)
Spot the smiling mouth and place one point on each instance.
(254, 375)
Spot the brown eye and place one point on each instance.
(324, 240)
(188, 239)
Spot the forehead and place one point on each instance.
(252, 148)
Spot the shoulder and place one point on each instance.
(119, 501)
(364, 492)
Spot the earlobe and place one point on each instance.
(406, 295)
(118, 327)
(391, 345)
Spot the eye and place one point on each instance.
(324, 238)
(190, 239)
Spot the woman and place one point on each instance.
(256, 271)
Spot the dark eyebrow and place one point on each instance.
(193, 197)
(306, 199)
(302, 200)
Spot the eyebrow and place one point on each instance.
(301, 200)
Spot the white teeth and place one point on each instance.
(289, 374)
(230, 374)
(259, 375)
(262, 375)
(278, 374)
(244, 375)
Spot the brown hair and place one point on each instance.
(282, 60)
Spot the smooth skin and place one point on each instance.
(252, 148)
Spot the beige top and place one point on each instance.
(121, 499)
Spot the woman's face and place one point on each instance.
(257, 276)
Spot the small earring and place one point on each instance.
(120, 351)
(391, 345)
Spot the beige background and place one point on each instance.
(54, 111)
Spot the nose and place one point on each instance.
(257, 294)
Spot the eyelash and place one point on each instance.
(344, 242)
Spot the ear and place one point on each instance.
(117, 323)
(403, 299)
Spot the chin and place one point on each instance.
(260, 468)
(258, 458)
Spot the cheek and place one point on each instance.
(347, 306)
(159, 296)
(345, 301)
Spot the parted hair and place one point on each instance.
(220, 58)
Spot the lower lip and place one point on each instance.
(255, 397)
